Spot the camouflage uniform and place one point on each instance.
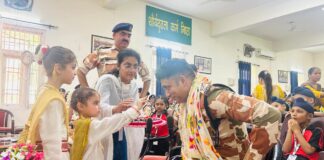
(105, 61)
(235, 110)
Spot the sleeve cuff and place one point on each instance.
(132, 113)
(84, 69)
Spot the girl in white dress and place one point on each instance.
(88, 131)
(48, 121)
(120, 89)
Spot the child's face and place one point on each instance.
(91, 109)
(159, 105)
(128, 69)
(68, 73)
(279, 106)
(299, 114)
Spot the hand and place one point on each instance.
(124, 105)
(293, 125)
(141, 103)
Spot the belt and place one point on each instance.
(65, 146)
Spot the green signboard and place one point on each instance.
(168, 26)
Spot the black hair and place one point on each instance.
(265, 75)
(122, 55)
(62, 90)
(164, 99)
(77, 86)
(311, 70)
(152, 96)
(56, 55)
(174, 67)
(81, 95)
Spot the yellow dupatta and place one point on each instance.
(80, 140)
(47, 94)
(196, 140)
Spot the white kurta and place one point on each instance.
(100, 129)
(113, 91)
(52, 131)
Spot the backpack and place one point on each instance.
(214, 122)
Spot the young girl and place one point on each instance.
(120, 88)
(303, 141)
(149, 106)
(161, 147)
(89, 132)
(48, 121)
(265, 90)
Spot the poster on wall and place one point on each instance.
(282, 76)
(169, 26)
(100, 42)
(203, 64)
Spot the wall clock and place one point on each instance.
(25, 5)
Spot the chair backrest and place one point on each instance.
(5, 116)
(319, 122)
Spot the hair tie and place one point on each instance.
(41, 51)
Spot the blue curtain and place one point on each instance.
(162, 55)
(244, 78)
(293, 80)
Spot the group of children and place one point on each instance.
(48, 122)
(297, 110)
(301, 140)
(47, 125)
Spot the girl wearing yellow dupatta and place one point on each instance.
(89, 132)
(48, 121)
(265, 90)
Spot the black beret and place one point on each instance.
(304, 91)
(300, 102)
(123, 26)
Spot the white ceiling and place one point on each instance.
(295, 25)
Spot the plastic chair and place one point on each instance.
(7, 122)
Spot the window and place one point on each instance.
(21, 79)
(33, 83)
(12, 81)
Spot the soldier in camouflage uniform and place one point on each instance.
(105, 60)
(180, 83)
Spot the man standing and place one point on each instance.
(106, 61)
(229, 110)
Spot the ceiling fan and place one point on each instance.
(211, 1)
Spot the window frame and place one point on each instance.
(25, 68)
